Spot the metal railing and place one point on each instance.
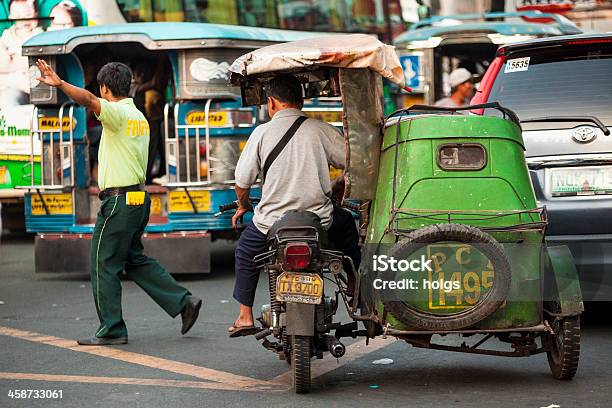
(173, 150)
(66, 150)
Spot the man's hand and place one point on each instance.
(244, 205)
(47, 74)
(79, 95)
(237, 218)
(338, 186)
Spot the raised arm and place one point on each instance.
(81, 96)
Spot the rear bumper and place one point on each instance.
(180, 252)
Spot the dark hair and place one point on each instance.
(287, 89)
(75, 14)
(117, 77)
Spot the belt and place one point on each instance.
(115, 191)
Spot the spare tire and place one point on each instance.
(489, 302)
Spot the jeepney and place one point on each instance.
(204, 130)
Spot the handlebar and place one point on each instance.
(234, 205)
(227, 207)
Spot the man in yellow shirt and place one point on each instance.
(124, 211)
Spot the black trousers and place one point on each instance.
(342, 233)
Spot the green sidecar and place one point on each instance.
(455, 190)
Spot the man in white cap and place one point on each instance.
(462, 89)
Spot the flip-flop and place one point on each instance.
(243, 331)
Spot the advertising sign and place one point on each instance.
(19, 21)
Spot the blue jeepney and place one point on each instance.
(433, 47)
(204, 129)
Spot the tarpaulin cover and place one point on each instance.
(342, 51)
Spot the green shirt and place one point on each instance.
(124, 147)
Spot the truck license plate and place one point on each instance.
(299, 288)
(573, 181)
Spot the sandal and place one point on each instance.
(240, 331)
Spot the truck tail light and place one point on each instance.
(484, 89)
(297, 256)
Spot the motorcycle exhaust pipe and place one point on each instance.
(334, 346)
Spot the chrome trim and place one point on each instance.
(569, 160)
(166, 139)
(207, 122)
(145, 41)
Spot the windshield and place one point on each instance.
(560, 82)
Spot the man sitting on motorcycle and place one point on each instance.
(298, 179)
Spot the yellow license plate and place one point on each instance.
(55, 204)
(461, 275)
(326, 116)
(156, 205)
(299, 288)
(178, 201)
(215, 119)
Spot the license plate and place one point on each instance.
(178, 201)
(461, 275)
(54, 203)
(326, 116)
(156, 205)
(299, 288)
(215, 119)
(592, 180)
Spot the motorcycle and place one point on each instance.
(300, 315)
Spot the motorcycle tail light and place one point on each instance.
(297, 256)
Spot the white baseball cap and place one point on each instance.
(459, 76)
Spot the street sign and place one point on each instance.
(412, 71)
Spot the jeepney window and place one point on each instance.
(462, 156)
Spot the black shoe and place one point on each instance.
(190, 313)
(102, 341)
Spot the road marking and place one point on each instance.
(214, 379)
(353, 352)
(203, 373)
(121, 381)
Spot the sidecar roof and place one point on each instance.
(334, 51)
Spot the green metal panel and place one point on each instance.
(565, 278)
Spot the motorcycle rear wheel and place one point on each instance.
(300, 363)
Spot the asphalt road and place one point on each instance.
(41, 315)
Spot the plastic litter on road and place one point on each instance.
(383, 361)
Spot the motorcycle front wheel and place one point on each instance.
(300, 363)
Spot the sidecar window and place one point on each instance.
(462, 156)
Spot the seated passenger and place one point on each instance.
(462, 89)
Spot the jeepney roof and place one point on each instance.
(160, 35)
(441, 26)
(339, 51)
